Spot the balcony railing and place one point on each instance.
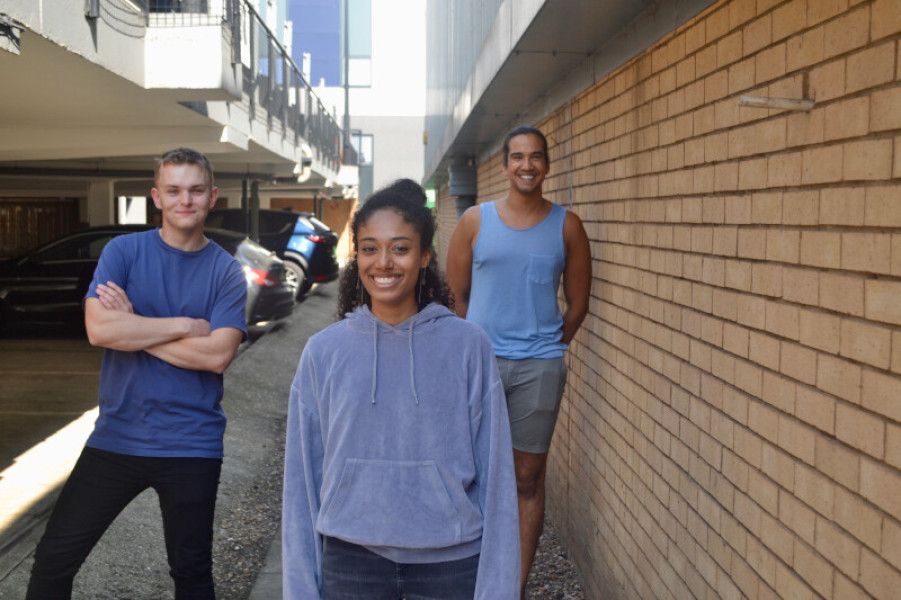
(274, 87)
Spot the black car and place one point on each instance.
(48, 283)
(306, 244)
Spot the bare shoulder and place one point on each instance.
(468, 225)
(572, 226)
(472, 216)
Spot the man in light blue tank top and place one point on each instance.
(505, 263)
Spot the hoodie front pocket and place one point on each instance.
(392, 503)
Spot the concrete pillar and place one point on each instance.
(101, 203)
(255, 211)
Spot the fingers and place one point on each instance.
(113, 297)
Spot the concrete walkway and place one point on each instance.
(268, 585)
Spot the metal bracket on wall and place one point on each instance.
(777, 103)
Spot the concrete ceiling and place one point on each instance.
(61, 113)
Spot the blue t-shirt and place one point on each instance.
(515, 276)
(147, 406)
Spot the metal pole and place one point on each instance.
(255, 211)
(245, 206)
(346, 74)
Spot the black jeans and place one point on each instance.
(351, 572)
(101, 485)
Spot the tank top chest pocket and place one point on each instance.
(541, 269)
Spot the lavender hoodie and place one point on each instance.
(398, 440)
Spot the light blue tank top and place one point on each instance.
(515, 276)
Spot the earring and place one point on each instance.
(421, 285)
(359, 286)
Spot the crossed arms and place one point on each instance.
(180, 341)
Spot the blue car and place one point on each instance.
(306, 244)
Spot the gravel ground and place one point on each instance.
(247, 530)
(553, 576)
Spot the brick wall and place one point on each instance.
(732, 423)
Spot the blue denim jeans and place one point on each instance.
(351, 572)
(101, 485)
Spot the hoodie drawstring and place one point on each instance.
(363, 313)
(375, 357)
(412, 366)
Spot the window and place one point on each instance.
(362, 143)
(359, 43)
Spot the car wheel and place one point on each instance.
(296, 279)
(305, 286)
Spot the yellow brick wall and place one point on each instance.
(732, 422)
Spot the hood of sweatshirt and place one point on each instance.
(364, 321)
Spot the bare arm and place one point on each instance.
(180, 341)
(213, 352)
(459, 259)
(118, 329)
(576, 275)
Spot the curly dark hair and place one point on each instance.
(406, 198)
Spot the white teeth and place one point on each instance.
(384, 280)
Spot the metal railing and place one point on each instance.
(274, 87)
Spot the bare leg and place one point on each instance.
(530, 472)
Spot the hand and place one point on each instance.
(112, 297)
(198, 328)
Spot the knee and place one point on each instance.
(530, 470)
(52, 575)
(54, 562)
(529, 485)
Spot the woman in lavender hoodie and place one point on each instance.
(399, 477)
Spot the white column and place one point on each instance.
(101, 203)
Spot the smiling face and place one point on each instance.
(185, 197)
(389, 258)
(527, 164)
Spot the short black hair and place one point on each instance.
(525, 130)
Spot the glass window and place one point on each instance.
(362, 143)
(359, 43)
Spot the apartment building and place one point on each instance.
(731, 426)
(93, 91)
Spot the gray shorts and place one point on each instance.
(534, 388)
